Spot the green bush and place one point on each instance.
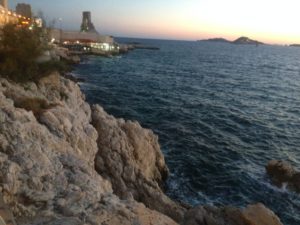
(19, 50)
(61, 66)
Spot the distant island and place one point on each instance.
(247, 41)
(240, 40)
(223, 40)
(295, 45)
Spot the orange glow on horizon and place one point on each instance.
(268, 21)
(193, 32)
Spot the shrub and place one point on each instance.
(19, 50)
(50, 66)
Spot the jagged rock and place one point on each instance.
(47, 169)
(111, 211)
(130, 157)
(72, 77)
(56, 168)
(252, 215)
(6, 217)
(64, 53)
(283, 173)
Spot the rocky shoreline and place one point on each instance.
(65, 162)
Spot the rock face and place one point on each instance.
(47, 161)
(64, 53)
(6, 217)
(252, 215)
(130, 157)
(283, 173)
(63, 163)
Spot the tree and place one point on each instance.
(19, 49)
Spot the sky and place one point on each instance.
(270, 21)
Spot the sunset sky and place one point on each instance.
(271, 21)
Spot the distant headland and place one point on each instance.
(222, 40)
(247, 41)
(295, 45)
(240, 40)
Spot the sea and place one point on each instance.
(221, 112)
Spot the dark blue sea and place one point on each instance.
(221, 111)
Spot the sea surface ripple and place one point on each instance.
(221, 111)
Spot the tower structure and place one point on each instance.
(87, 25)
(24, 10)
(4, 3)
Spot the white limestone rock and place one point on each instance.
(130, 157)
(47, 169)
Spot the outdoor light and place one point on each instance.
(106, 46)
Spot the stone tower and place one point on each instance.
(87, 25)
(4, 3)
(24, 10)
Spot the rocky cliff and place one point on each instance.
(64, 162)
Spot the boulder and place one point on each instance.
(282, 173)
(64, 54)
(256, 214)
